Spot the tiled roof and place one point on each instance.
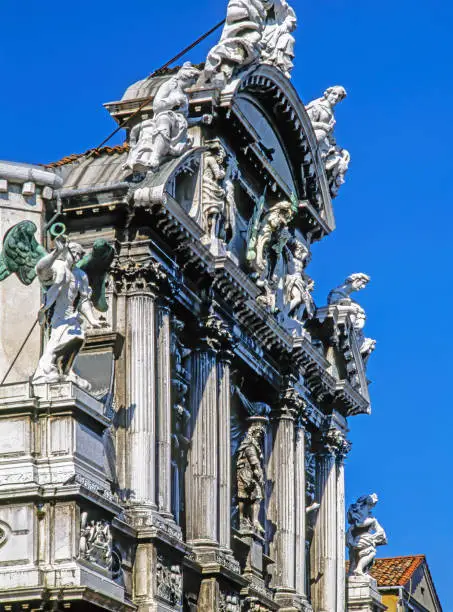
(69, 159)
(396, 571)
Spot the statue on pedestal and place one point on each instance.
(166, 134)
(321, 113)
(298, 286)
(364, 535)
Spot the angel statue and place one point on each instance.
(72, 284)
(364, 535)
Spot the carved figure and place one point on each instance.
(241, 40)
(166, 134)
(278, 40)
(336, 159)
(298, 286)
(364, 535)
(213, 191)
(21, 252)
(96, 542)
(67, 298)
(342, 296)
(250, 477)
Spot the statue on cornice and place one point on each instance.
(166, 133)
(278, 40)
(336, 159)
(364, 535)
(298, 286)
(342, 296)
(254, 30)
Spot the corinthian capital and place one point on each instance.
(148, 275)
(216, 334)
(334, 442)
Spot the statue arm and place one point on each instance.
(44, 267)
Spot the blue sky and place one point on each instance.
(59, 62)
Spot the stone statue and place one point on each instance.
(250, 477)
(364, 535)
(96, 542)
(241, 40)
(336, 159)
(278, 40)
(298, 286)
(166, 134)
(65, 276)
(342, 296)
(213, 191)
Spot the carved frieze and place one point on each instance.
(168, 580)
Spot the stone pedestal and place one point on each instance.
(363, 595)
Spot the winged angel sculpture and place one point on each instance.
(73, 282)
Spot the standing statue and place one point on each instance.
(250, 477)
(336, 159)
(342, 296)
(278, 40)
(298, 286)
(166, 134)
(213, 191)
(364, 535)
(68, 298)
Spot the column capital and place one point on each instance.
(334, 442)
(292, 405)
(216, 335)
(145, 276)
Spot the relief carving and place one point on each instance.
(169, 580)
(96, 542)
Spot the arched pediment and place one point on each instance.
(268, 106)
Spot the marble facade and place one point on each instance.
(204, 469)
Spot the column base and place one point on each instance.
(363, 595)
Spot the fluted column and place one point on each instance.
(203, 470)
(341, 539)
(141, 394)
(328, 571)
(224, 365)
(300, 506)
(164, 410)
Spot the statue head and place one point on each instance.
(335, 94)
(362, 508)
(75, 252)
(188, 75)
(358, 281)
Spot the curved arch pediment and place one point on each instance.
(266, 90)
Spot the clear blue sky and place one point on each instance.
(60, 61)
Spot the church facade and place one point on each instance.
(184, 447)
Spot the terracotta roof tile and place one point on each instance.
(69, 159)
(396, 571)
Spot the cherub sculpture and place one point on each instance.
(166, 133)
(72, 285)
(364, 535)
(342, 296)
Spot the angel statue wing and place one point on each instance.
(96, 266)
(21, 252)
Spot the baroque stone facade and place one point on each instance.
(183, 448)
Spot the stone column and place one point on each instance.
(141, 397)
(328, 540)
(300, 506)
(164, 410)
(341, 538)
(285, 508)
(223, 371)
(202, 480)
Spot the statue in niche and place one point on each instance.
(166, 134)
(214, 191)
(364, 535)
(96, 542)
(72, 284)
(298, 286)
(250, 477)
(336, 159)
(342, 296)
(278, 39)
(249, 455)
